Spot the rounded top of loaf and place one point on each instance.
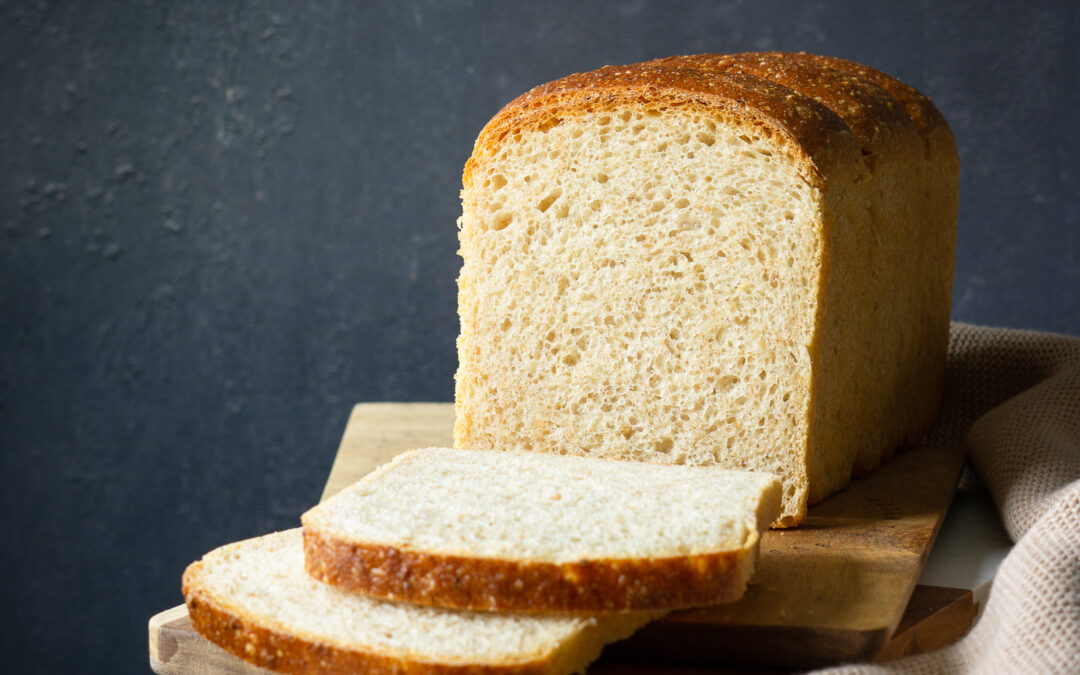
(938, 139)
(812, 133)
(922, 110)
(881, 122)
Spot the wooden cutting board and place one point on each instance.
(841, 587)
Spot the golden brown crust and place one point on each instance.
(268, 647)
(872, 113)
(810, 130)
(927, 118)
(525, 586)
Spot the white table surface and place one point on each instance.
(970, 547)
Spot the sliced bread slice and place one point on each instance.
(254, 599)
(531, 532)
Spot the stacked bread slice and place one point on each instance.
(462, 560)
(254, 599)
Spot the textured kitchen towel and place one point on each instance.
(1014, 398)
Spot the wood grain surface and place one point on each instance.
(841, 587)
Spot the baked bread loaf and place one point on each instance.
(741, 261)
(530, 532)
(254, 599)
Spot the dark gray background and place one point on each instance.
(221, 225)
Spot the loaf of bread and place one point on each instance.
(254, 599)
(743, 261)
(531, 532)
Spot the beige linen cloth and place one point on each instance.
(1013, 398)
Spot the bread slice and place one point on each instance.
(254, 599)
(539, 533)
(737, 261)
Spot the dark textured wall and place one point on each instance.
(222, 224)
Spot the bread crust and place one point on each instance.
(811, 132)
(927, 118)
(878, 120)
(261, 643)
(491, 584)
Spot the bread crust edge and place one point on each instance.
(258, 643)
(490, 584)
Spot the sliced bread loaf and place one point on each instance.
(532, 532)
(738, 261)
(254, 599)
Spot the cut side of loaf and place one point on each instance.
(531, 532)
(254, 599)
(741, 261)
